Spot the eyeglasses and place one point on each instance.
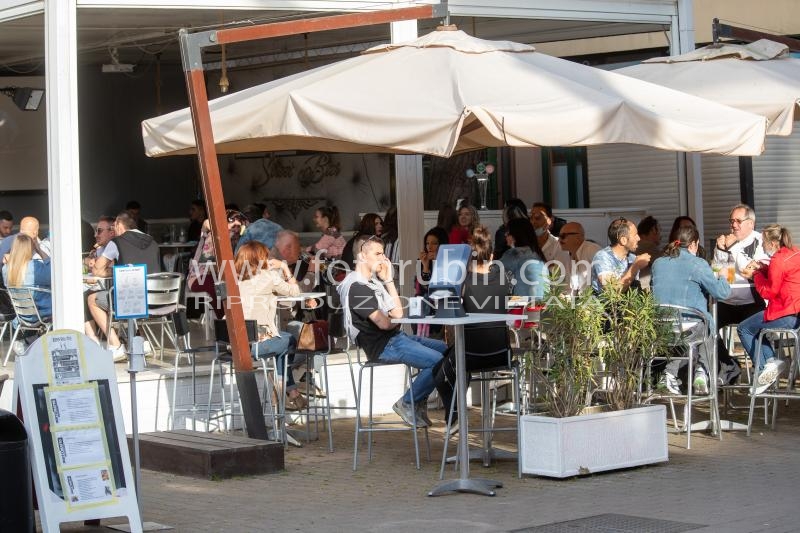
(101, 230)
(235, 216)
(563, 236)
(371, 238)
(737, 220)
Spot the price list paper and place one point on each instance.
(130, 291)
(79, 441)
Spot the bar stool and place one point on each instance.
(181, 325)
(774, 392)
(275, 414)
(690, 330)
(316, 363)
(371, 426)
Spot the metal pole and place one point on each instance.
(132, 370)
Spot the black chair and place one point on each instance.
(274, 413)
(180, 323)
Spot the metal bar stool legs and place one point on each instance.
(371, 423)
(773, 392)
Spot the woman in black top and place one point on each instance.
(486, 346)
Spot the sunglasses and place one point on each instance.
(372, 238)
(101, 230)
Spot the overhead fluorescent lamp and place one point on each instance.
(25, 98)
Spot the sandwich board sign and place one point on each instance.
(69, 397)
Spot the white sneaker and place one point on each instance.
(769, 374)
(669, 383)
(20, 347)
(700, 382)
(119, 354)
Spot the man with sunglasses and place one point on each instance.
(572, 239)
(617, 260)
(739, 247)
(370, 301)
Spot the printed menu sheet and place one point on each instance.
(130, 291)
(80, 445)
(64, 359)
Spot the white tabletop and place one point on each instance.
(301, 297)
(177, 244)
(471, 318)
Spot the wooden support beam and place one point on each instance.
(743, 34)
(335, 22)
(191, 46)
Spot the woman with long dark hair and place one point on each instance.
(468, 220)
(682, 278)
(485, 290)
(331, 244)
(371, 224)
(525, 260)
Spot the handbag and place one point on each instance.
(313, 336)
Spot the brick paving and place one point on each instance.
(739, 484)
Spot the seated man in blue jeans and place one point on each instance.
(370, 302)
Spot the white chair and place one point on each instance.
(28, 316)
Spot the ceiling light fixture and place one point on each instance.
(25, 98)
(115, 66)
(224, 83)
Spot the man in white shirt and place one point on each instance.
(739, 247)
(572, 239)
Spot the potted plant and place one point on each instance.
(595, 347)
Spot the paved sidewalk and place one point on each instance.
(739, 484)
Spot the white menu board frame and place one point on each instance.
(80, 459)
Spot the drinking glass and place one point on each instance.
(731, 272)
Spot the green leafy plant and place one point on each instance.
(637, 331)
(572, 328)
(620, 330)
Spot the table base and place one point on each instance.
(474, 485)
(478, 454)
(725, 425)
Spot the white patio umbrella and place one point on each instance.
(759, 77)
(448, 92)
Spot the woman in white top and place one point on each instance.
(261, 282)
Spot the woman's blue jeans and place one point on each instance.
(420, 352)
(280, 346)
(750, 328)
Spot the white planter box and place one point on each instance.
(564, 447)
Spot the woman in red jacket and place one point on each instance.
(779, 284)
